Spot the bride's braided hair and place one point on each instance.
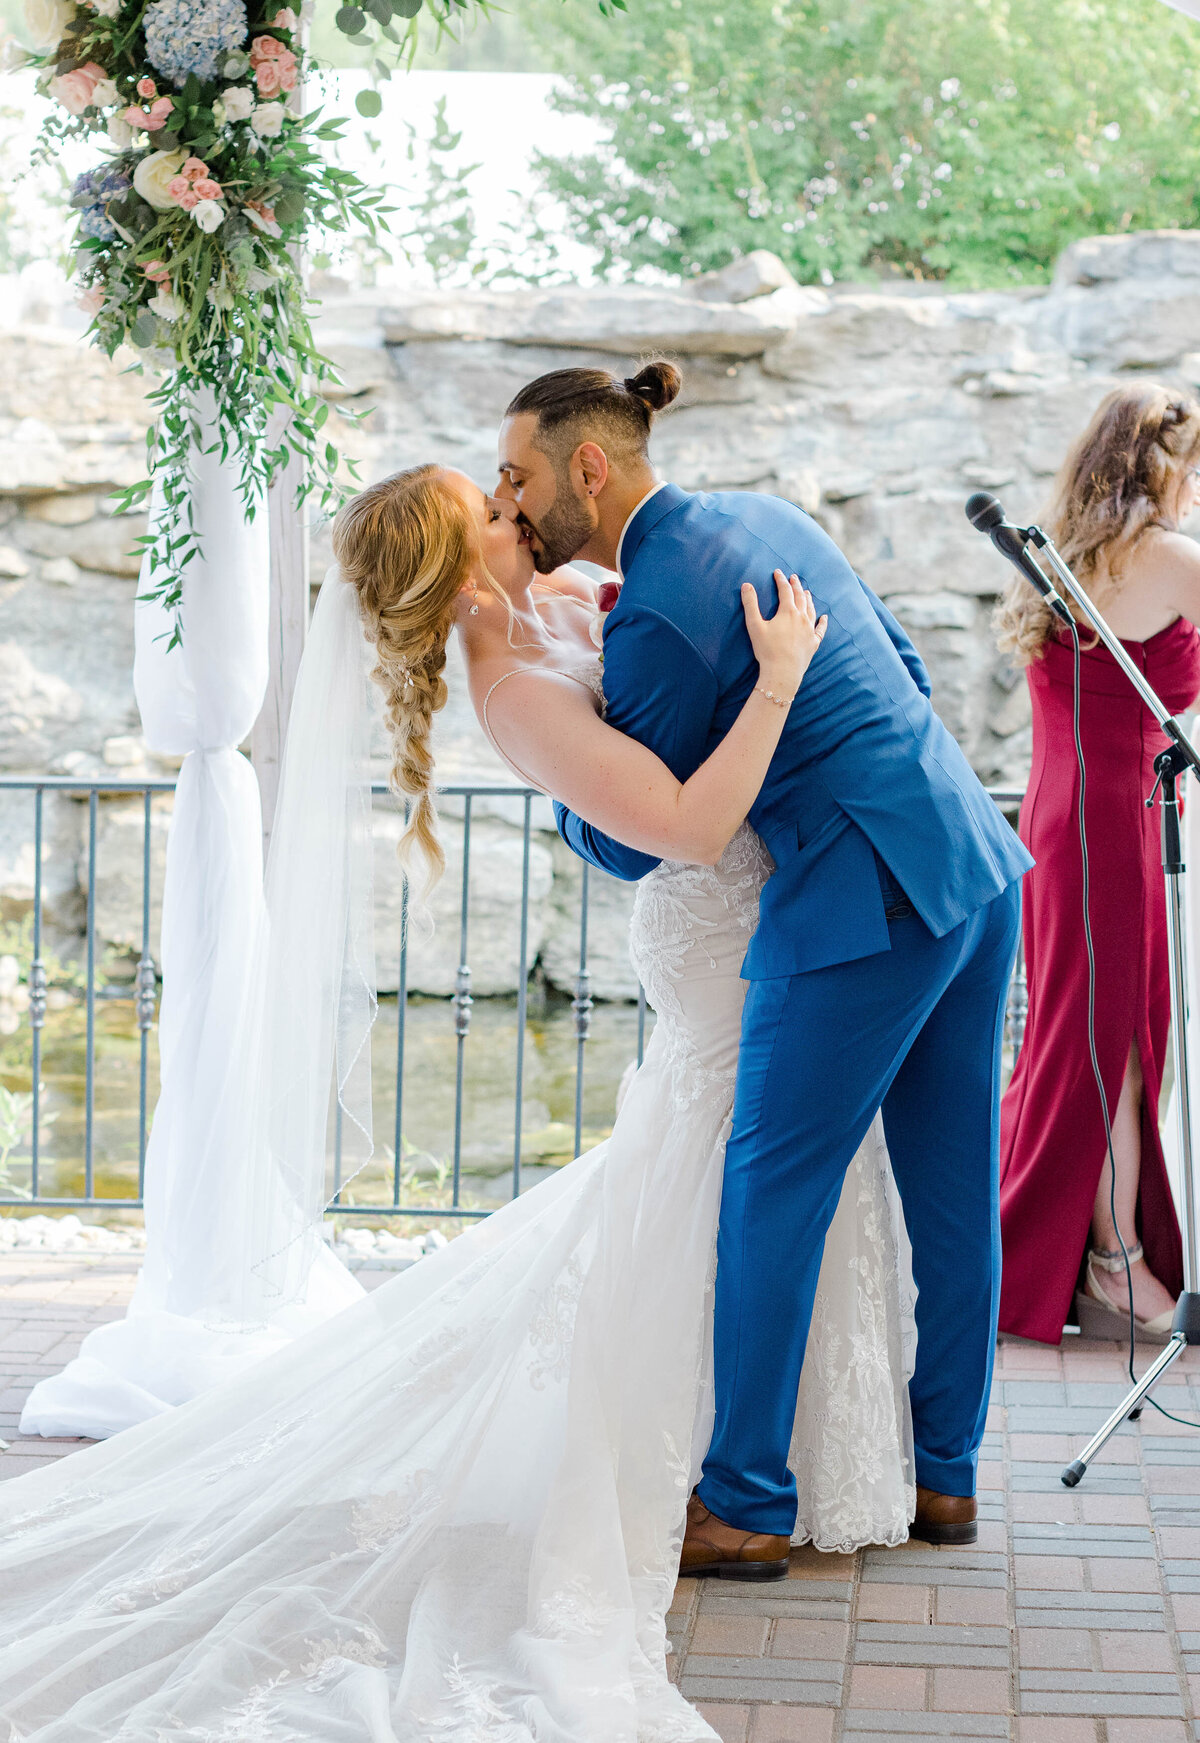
(408, 545)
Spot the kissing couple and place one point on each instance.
(458, 1509)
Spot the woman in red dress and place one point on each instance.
(1121, 495)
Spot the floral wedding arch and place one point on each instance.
(190, 225)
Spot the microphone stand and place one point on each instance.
(1179, 755)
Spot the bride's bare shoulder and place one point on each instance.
(570, 583)
(511, 696)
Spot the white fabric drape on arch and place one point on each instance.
(234, 1189)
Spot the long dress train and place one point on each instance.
(454, 1511)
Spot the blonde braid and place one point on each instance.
(409, 544)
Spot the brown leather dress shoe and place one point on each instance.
(944, 1518)
(714, 1550)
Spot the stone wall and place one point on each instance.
(878, 411)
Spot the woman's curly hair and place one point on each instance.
(1119, 480)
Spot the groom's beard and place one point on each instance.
(561, 534)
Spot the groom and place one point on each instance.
(878, 973)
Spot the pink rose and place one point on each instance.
(91, 301)
(178, 186)
(206, 189)
(147, 88)
(266, 77)
(266, 48)
(284, 19)
(194, 166)
(152, 118)
(188, 200)
(75, 90)
(156, 272)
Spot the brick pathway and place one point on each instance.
(1078, 1611)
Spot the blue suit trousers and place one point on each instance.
(917, 1028)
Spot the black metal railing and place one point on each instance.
(138, 987)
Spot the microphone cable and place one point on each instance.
(1077, 709)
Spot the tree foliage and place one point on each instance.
(967, 140)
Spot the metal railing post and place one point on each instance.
(582, 1005)
(462, 1000)
(522, 997)
(37, 993)
(401, 1014)
(145, 997)
(89, 1136)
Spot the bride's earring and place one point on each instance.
(474, 611)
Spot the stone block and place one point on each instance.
(105, 543)
(62, 511)
(626, 320)
(60, 572)
(38, 708)
(1132, 324)
(752, 275)
(1158, 255)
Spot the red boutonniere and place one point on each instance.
(606, 597)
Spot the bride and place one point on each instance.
(455, 1511)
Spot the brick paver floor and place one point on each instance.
(1076, 1618)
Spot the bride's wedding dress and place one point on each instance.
(453, 1512)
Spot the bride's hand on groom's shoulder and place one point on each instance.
(784, 644)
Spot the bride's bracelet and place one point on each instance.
(779, 701)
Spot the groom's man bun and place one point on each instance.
(580, 405)
(656, 384)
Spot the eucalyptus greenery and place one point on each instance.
(189, 235)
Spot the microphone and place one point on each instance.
(986, 514)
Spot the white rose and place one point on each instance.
(209, 215)
(154, 174)
(105, 94)
(267, 120)
(165, 305)
(238, 102)
(46, 22)
(119, 131)
(105, 8)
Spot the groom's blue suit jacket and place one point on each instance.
(864, 764)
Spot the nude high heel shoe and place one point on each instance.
(1100, 1317)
